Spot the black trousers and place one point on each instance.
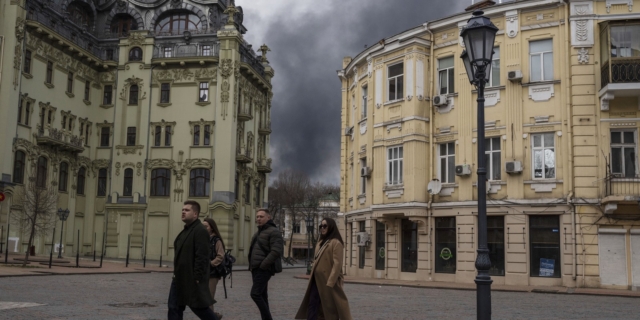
(176, 312)
(259, 291)
(314, 310)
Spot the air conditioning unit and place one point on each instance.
(362, 238)
(463, 170)
(440, 100)
(365, 172)
(348, 131)
(515, 75)
(513, 167)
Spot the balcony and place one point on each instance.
(243, 155)
(244, 114)
(264, 165)
(620, 61)
(188, 51)
(59, 139)
(265, 128)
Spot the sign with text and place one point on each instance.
(547, 267)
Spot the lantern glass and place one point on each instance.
(467, 66)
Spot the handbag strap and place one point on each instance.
(323, 245)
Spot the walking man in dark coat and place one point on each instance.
(264, 259)
(190, 285)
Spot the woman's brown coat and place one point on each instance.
(327, 272)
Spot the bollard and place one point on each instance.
(144, 257)
(78, 250)
(128, 245)
(53, 238)
(94, 247)
(103, 248)
(161, 251)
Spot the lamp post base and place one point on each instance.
(483, 296)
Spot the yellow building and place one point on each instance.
(561, 135)
(129, 108)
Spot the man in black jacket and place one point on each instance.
(264, 259)
(190, 285)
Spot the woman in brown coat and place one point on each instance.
(325, 298)
(216, 257)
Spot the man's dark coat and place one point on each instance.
(191, 264)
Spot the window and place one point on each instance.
(86, 135)
(135, 54)
(544, 234)
(63, 176)
(494, 73)
(105, 133)
(380, 245)
(158, 136)
(177, 22)
(204, 92)
(20, 110)
(18, 167)
(363, 179)
(495, 242)
(64, 122)
(128, 182)
(49, 77)
(256, 195)
(160, 182)
(133, 95)
(50, 116)
(70, 82)
(296, 228)
(623, 153)
(81, 177)
(131, 136)
(363, 114)
(87, 90)
(394, 165)
(446, 245)
(41, 174)
(164, 93)
(544, 156)
(199, 183)
(361, 252)
(206, 50)
(624, 41)
(27, 62)
(109, 54)
(108, 95)
(541, 60)
(236, 187)
(207, 135)
(167, 136)
(27, 111)
(395, 81)
(247, 191)
(122, 24)
(78, 14)
(448, 162)
(446, 76)
(102, 182)
(409, 246)
(196, 135)
(492, 158)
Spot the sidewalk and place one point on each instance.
(505, 288)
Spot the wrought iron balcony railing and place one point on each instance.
(618, 184)
(59, 138)
(620, 70)
(192, 50)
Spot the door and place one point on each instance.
(124, 230)
(613, 256)
(635, 258)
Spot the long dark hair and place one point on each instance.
(332, 232)
(214, 227)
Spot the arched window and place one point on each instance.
(41, 176)
(122, 24)
(135, 54)
(63, 174)
(133, 94)
(80, 14)
(128, 182)
(160, 182)
(81, 177)
(199, 183)
(18, 167)
(102, 182)
(177, 22)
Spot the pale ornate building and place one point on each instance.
(131, 108)
(561, 110)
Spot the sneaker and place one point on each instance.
(218, 315)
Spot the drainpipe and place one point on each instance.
(431, 146)
(573, 236)
(144, 216)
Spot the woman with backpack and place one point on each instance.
(325, 298)
(216, 256)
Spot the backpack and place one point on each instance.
(225, 268)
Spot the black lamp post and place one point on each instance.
(309, 222)
(478, 36)
(62, 214)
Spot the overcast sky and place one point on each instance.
(308, 40)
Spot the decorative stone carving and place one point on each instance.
(226, 67)
(139, 169)
(628, 3)
(129, 149)
(118, 166)
(604, 101)
(99, 164)
(161, 163)
(200, 163)
(363, 127)
(492, 97)
(137, 38)
(583, 56)
(206, 73)
(582, 24)
(542, 92)
(512, 23)
(224, 98)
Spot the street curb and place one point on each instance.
(534, 290)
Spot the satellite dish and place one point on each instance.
(434, 187)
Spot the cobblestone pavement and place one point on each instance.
(144, 296)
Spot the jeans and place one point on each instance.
(259, 291)
(176, 312)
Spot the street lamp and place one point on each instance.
(478, 36)
(309, 223)
(62, 214)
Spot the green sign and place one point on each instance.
(381, 252)
(446, 254)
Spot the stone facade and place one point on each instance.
(563, 189)
(149, 104)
